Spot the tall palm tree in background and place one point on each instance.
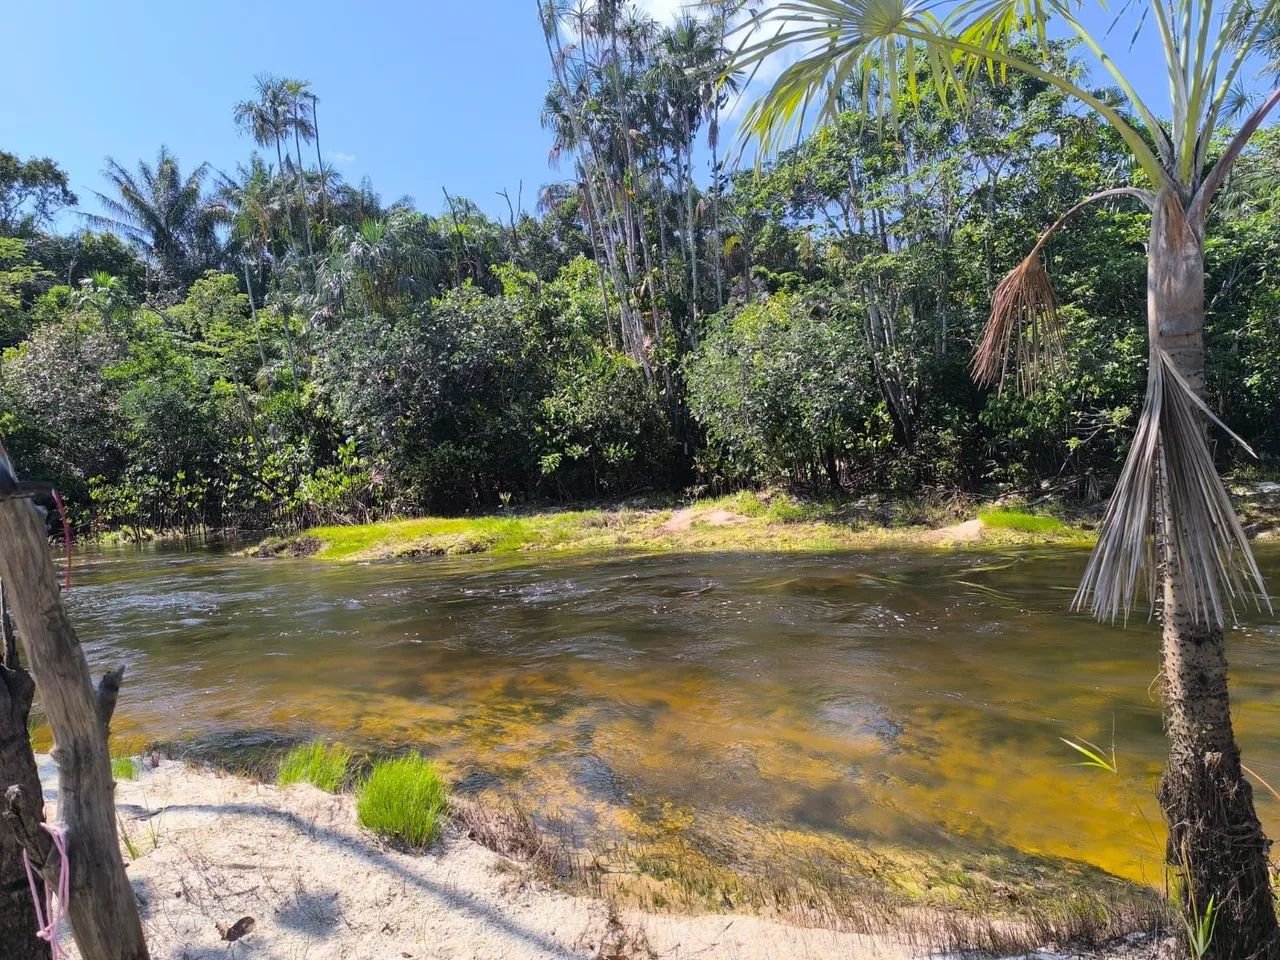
(315, 129)
(166, 215)
(301, 125)
(1170, 527)
(266, 119)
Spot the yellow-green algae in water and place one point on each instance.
(729, 713)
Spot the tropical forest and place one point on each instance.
(718, 480)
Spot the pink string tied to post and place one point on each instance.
(50, 913)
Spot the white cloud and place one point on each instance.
(342, 159)
(665, 10)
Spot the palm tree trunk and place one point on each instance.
(324, 192)
(302, 198)
(293, 233)
(1215, 844)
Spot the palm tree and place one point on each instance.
(165, 214)
(266, 120)
(299, 122)
(1170, 527)
(382, 261)
(314, 116)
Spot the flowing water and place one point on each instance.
(910, 700)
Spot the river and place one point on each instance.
(908, 700)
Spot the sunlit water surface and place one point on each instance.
(915, 700)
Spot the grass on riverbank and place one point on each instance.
(317, 763)
(742, 521)
(404, 800)
(124, 768)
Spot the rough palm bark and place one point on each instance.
(1216, 847)
(17, 766)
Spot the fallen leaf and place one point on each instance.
(237, 930)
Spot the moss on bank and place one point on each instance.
(744, 521)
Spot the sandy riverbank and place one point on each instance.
(207, 850)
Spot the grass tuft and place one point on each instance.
(404, 800)
(316, 763)
(1024, 522)
(124, 768)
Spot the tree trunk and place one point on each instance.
(17, 766)
(1216, 847)
(102, 909)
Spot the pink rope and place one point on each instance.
(50, 914)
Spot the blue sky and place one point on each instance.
(415, 95)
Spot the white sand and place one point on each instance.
(212, 849)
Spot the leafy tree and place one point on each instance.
(18, 277)
(31, 194)
(784, 390)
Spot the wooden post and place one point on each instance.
(102, 910)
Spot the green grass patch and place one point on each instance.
(319, 764)
(124, 768)
(1025, 522)
(446, 536)
(404, 800)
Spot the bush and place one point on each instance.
(315, 763)
(404, 800)
(782, 389)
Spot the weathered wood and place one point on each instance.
(103, 912)
(107, 696)
(17, 768)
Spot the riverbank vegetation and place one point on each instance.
(773, 521)
(273, 346)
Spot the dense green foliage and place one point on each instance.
(275, 346)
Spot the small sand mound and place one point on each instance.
(273, 547)
(968, 532)
(684, 519)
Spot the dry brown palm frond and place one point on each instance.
(1023, 331)
(1169, 490)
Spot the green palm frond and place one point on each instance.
(885, 46)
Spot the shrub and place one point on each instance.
(315, 763)
(403, 800)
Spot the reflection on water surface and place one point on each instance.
(912, 700)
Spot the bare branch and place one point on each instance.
(107, 695)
